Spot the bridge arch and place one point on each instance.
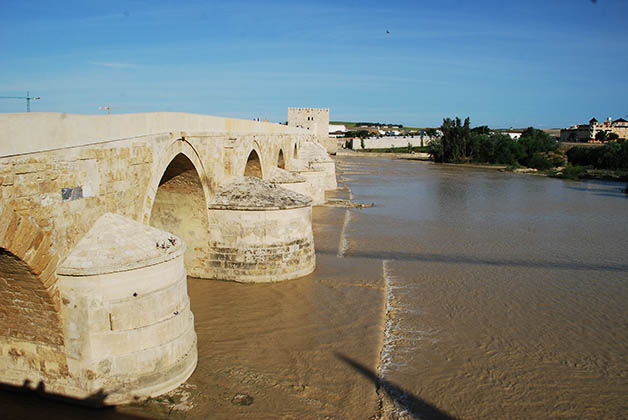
(175, 148)
(254, 165)
(281, 161)
(29, 291)
(177, 202)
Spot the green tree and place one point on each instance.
(363, 134)
(613, 155)
(431, 132)
(485, 150)
(455, 140)
(601, 136)
(535, 141)
(483, 129)
(507, 150)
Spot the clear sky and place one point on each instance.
(549, 63)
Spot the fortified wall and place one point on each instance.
(101, 217)
(315, 120)
(388, 142)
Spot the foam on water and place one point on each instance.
(342, 245)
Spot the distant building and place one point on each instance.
(514, 134)
(587, 132)
(337, 130)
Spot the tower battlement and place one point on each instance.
(314, 119)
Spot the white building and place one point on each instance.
(336, 130)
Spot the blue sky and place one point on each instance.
(546, 63)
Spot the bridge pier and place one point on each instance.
(129, 331)
(260, 233)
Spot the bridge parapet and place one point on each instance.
(43, 131)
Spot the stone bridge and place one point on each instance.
(101, 217)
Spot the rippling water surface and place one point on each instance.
(506, 294)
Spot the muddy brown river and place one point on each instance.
(462, 294)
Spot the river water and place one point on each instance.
(507, 295)
(462, 294)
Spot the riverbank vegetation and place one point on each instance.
(534, 149)
(612, 155)
(462, 144)
(609, 162)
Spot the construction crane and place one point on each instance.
(28, 98)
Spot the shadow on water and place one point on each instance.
(25, 402)
(407, 401)
(610, 191)
(462, 259)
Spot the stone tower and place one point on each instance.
(314, 119)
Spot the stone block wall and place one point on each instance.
(31, 338)
(261, 246)
(388, 142)
(129, 334)
(316, 184)
(65, 191)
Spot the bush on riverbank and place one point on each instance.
(582, 172)
(569, 172)
(494, 148)
(538, 146)
(613, 155)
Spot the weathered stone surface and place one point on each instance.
(260, 246)
(314, 157)
(126, 317)
(281, 176)
(251, 193)
(315, 180)
(293, 182)
(116, 243)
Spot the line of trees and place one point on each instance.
(460, 143)
(606, 136)
(363, 134)
(613, 156)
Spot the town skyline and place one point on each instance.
(517, 65)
